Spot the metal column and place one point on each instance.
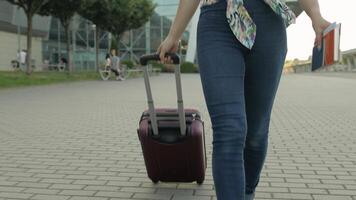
(148, 37)
(59, 39)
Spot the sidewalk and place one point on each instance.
(78, 141)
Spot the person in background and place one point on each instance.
(241, 48)
(115, 64)
(23, 55)
(16, 63)
(107, 61)
(63, 62)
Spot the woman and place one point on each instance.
(107, 61)
(241, 48)
(115, 64)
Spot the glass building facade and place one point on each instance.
(52, 45)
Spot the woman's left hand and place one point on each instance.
(319, 25)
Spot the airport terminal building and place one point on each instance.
(48, 41)
(13, 30)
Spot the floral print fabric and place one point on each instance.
(242, 24)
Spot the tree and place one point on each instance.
(130, 14)
(116, 16)
(141, 11)
(98, 12)
(30, 7)
(64, 10)
(113, 44)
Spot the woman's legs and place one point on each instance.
(239, 88)
(115, 71)
(264, 64)
(261, 83)
(222, 71)
(222, 77)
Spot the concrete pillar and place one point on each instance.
(348, 63)
(161, 27)
(59, 40)
(131, 45)
(74, 48)
(192, 43)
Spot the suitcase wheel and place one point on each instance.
(199, 182)
(155, 181)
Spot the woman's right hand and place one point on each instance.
(319, 25)
(311, 7)
(169, 45)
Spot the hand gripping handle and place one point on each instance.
(148, 57)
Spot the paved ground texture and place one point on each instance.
(78, 141)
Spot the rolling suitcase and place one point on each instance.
(172, 140)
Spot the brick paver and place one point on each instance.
(78, 141)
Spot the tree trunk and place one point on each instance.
(117, 38)
(97, 49)
(29, 44)
(69, 52)
(109, 41)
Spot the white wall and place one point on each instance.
(8, 49)
(192, 43)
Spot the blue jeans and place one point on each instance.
(239, 88)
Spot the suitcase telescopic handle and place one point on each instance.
(151, 109)
(148, 57)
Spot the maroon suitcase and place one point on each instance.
(172, 140)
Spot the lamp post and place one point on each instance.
(18, 35)
(59, 40)
(95, 46)
(148, 37)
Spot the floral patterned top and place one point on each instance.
(241, 23)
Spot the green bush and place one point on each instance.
(188, 67)
(128, 63)
(167, 68)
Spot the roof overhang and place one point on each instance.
(8, 27)
(349, 52)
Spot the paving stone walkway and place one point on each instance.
(78, 141)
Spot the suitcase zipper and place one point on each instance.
(195, 116)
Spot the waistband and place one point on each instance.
(252, 6)
(219, 5)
